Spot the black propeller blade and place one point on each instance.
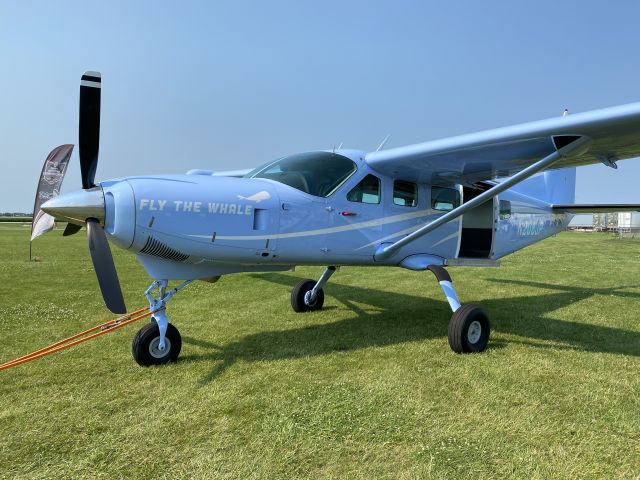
(89, 128)
(71, 229)
(104, 267)
(89, 141)
(77, 205)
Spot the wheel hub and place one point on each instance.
(474, 332)
(154, 348)
(307, 299)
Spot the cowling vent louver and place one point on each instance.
(158, 249)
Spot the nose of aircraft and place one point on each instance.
(76, 207)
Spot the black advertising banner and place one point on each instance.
(55, 166)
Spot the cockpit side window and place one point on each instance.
(367, 191)
(315, 173)
(405, 193)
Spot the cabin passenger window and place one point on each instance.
(505, 209)
(367, 191)
(444, 199)
(405, 193)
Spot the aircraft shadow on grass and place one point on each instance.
(389, 318)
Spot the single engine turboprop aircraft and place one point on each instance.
(461, 201)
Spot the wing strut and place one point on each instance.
(385, 251)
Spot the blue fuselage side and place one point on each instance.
(201, 226)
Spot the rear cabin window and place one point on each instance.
(367, 191)
(405, 193)
(444, 199)
(505, 209)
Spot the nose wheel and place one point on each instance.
(159, 342)
(146, 348)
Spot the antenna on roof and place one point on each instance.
(566, 112)
(381, 146)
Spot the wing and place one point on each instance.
(467, 159)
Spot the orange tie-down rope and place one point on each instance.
(106, 327)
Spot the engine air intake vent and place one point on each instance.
(159, 249)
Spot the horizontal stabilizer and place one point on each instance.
(596, 208)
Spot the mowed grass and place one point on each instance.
(366, 388)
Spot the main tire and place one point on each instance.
(145, 345)
(297, 297)
(469, 329)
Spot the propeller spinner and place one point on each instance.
(87, 206)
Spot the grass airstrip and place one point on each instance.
(366, 388)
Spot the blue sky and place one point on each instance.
(224, 85)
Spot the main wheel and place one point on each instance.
(298, 294)
(145, 345)
(469, 329)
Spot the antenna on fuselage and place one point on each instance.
(381, 146)
(339, 147)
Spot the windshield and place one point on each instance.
(316, 173)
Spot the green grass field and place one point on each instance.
(366, 388)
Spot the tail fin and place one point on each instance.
(555, 186)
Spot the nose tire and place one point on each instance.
(144, 347)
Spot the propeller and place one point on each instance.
(89, 142)
(87, 206)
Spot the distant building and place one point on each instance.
(604, 222)
(621, 223)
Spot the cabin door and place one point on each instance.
(477, 227)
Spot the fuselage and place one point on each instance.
(201, 225)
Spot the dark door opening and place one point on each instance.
(477, 227)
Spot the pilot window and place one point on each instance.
(405, 193)
(444, 199)
(367, 191)
(316, 173)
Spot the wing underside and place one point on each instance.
(467, 159)
(595, 208)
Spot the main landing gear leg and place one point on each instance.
(469, 325)
(159, 342)
(308, 295)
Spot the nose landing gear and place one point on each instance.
(145, 347)
(158, 342)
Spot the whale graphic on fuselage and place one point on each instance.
(257, 197)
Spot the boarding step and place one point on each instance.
(471, 262)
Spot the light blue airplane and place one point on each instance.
(461, 201)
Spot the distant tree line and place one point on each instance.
(15, 216)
